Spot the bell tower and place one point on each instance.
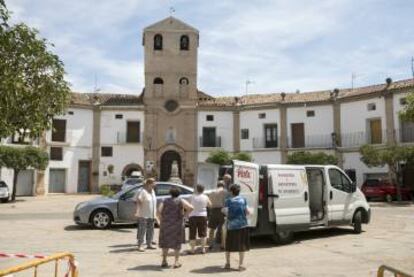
(170, 98)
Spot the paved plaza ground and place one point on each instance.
(44, 225)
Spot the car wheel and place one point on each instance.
(282, 237)
(358, 222)
(388, 198)
(101, 219)
(4, 200)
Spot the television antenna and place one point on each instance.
(353, 77)
(95, 87)
(248, 82)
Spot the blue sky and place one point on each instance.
(278, 45)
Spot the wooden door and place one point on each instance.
(376, 131)
(25, 183)
(57, 180)
(84, 176)
(298, 135)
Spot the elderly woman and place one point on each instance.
(238, 235)
(171, 213)
(146, 203)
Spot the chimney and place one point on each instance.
(388, 81)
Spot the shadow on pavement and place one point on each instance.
(114, 228)
(391, 204)
(323, 233)
(267, 242)
(124, 250)
(213, 269)
(123, 245)
(146, 268)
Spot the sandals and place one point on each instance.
(242, 268)
(164, 265)
(178, 265)
(227, 266)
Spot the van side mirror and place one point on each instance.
(353, 187)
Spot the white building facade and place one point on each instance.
(104, 137)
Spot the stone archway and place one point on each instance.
(166, 160)
(128, 169)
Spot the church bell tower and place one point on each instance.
(170, 98)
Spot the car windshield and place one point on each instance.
(132, 181)
(372, 183)
(125, 191)
(3, 185)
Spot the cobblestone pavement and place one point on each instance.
(44, 225)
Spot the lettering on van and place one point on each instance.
(243, 173)
(288, 183)
(245, 178)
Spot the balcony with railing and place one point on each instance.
(15, 140)
(357, 139)
(127, 138)
(210, 141)
(313, 141)
(262, 143)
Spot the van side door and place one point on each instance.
(247, 176)
(339, 197)
(289, 190)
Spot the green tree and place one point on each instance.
(220, 157)
(32, 84)
(408, 113)
(19, 159)
(304, 157)
(242, 156)
(4, 15)
(390, 156)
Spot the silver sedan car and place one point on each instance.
(101, 212)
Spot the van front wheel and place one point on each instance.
(358, 222)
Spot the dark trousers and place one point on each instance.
(215, 222)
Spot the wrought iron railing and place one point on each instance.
(210, 142)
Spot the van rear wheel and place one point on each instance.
(358, 222)
(282, 237)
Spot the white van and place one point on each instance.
(289, 198)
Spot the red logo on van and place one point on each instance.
(243, 174)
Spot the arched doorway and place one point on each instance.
(166, 160)
(126, 172)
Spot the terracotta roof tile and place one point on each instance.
(105, 99)
(308, 97)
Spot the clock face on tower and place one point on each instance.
(171, 105)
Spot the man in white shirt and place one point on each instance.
(146, 213)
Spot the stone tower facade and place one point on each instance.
(170, 98)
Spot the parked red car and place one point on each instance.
(384, 189)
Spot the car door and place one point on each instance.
(290, 196)
(127, 206)
(340, 196)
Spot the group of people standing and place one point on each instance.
(221, 207)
